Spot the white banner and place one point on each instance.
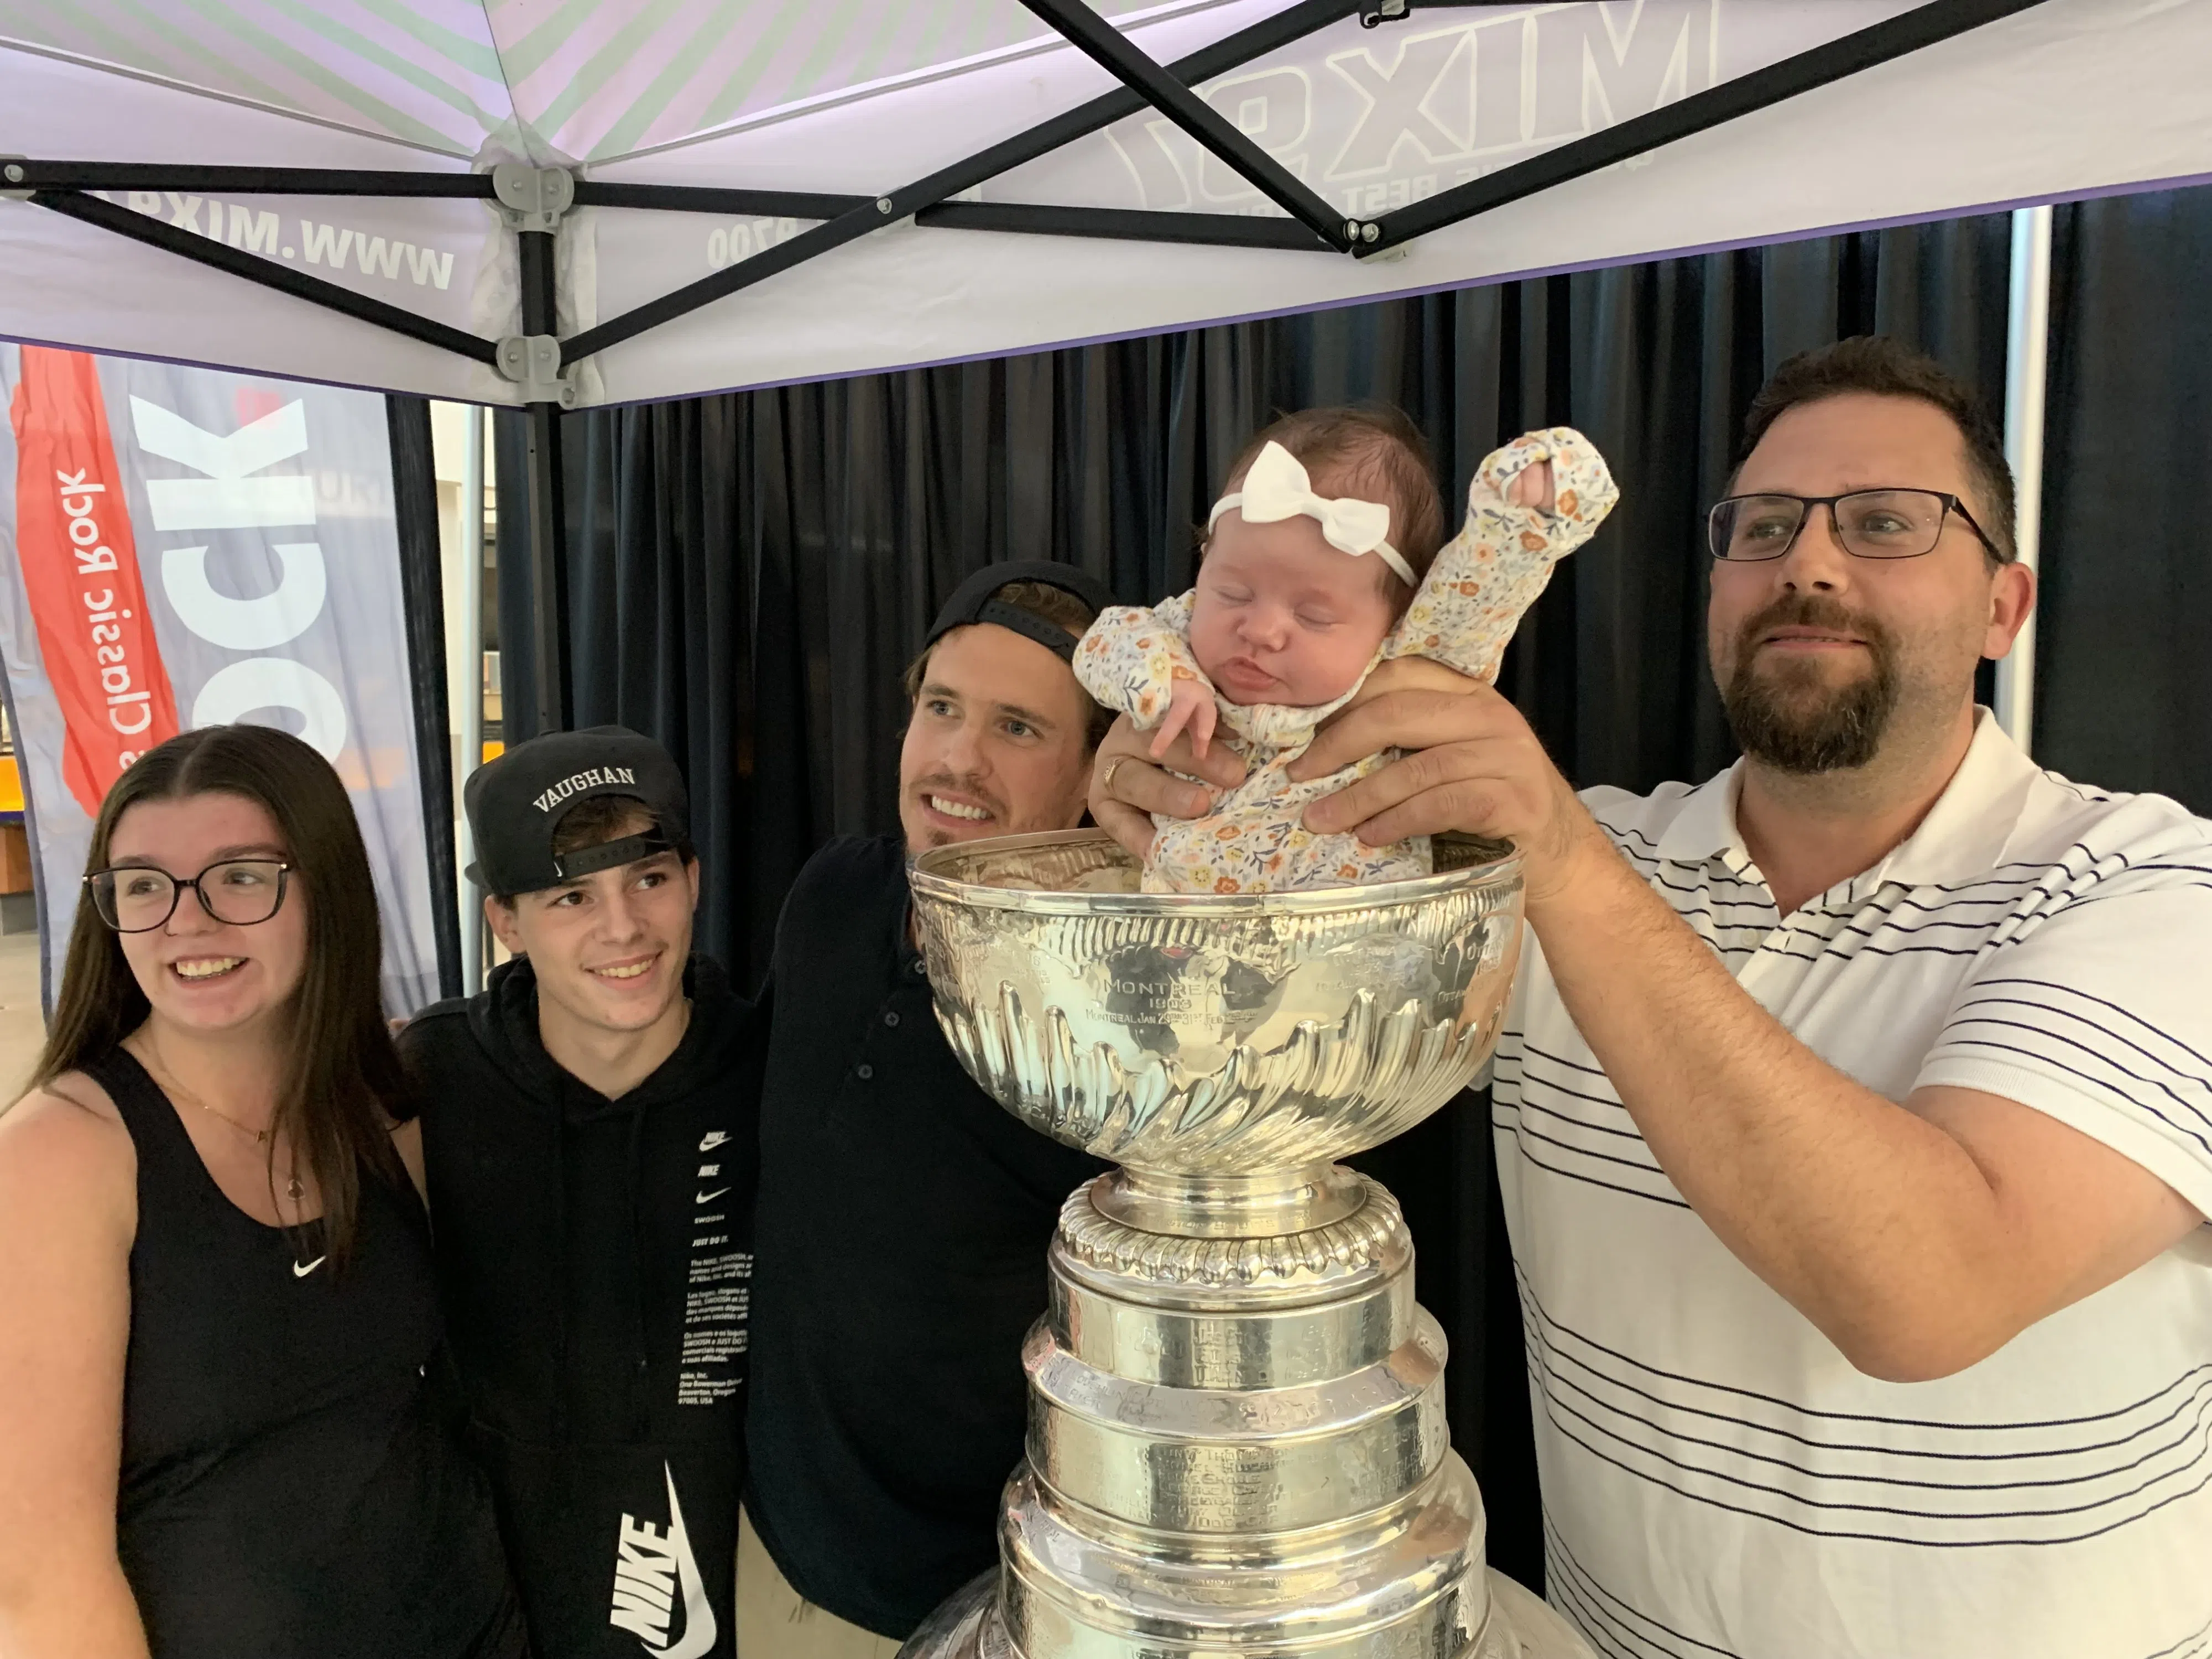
(185, 548)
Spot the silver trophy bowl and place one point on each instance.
(1237, 1441)
(1223, 1051)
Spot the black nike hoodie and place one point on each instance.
(595, 1261)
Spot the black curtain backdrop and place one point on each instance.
(746, 575)
(2125, 697)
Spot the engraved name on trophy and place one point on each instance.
(1237, 1440)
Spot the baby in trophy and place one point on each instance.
(1322, 559)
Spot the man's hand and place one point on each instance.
(1406, 674)
(1474, 766)
(1190, 708)
(1127, 787)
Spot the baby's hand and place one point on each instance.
(1190, 703)
(1532, 487)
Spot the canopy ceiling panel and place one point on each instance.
(806, 114)
(586, 80)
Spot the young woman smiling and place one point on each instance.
(218, 1319)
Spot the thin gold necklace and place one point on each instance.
(292, 1189)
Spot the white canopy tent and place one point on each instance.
(584, 201)
(1642, 127)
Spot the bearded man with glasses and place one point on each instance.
(1854, 1115)
(1785, 706)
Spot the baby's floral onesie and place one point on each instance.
(1463, 615)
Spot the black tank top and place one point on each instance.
(288, 1490)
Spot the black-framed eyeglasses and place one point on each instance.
(1869, 524)
(136, 898)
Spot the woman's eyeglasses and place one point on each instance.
(136, 898)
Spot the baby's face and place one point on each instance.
(1281, 616)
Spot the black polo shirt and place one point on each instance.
(901, 1235)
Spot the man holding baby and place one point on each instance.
(1854, 1112)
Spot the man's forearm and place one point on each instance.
(1920, 1240)
(1872, 1222)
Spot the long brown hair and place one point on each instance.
(343, 1083)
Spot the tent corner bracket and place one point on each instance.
(532, 198)
(533, 361)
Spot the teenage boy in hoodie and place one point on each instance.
(590, 1128)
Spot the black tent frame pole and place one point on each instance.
(706, 198)
(202, 250)
(253, 181)
(1210, 229)
(542, 420)
(1107, 46)
(463, 186)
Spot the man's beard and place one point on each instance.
(1785, 719)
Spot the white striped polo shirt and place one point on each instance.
(1717, 1479)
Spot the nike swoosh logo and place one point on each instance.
(698, 1612)
(300, 1271)
(714, 1139)
(707, 1198)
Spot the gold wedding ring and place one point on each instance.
(1106, 778)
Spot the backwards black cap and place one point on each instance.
(973, 602)
(515, 803)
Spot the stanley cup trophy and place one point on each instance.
(1237, 1438)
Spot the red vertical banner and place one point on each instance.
(80, 574)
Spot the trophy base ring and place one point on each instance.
(1324, 1263)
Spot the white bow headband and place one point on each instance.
(1276, 487)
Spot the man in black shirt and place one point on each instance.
(904, 1215)
(590, 1132)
